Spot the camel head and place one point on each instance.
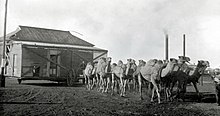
(152, 62)
(102, 60)
(183, 59)
(159, 64)
(173, 60)
(89, 63)
(202, 65)
(95, 63)
(108, 59)
(120, 63)
(141, 63)
(130, 61)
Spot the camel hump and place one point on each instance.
(118, 70)
(170, 67)
(148, 68)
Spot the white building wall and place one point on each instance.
(15, 61)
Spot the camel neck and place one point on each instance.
(196, 72)
(108, 67)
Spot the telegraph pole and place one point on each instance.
(3, 51)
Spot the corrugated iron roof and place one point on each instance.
(35, 34)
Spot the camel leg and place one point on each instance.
(86, 80)
(107, 85)
(195, 86)
(129, 85)
(101, 83)
(124, 87)
(117, 85)
(134, 83)
(140, 86)
(93, 82)
(152, 95)
(166, 93)
(121, 86)
(157, 90)
(197, 90)
(113, 84)
(88, 83)
(149, 89)
(97, 81)
(171, 88)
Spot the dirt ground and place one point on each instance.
(49, 98)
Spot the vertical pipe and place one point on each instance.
(166, 48)
(184, 45)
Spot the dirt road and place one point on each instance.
(49, 98)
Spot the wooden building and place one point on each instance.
(47, 54)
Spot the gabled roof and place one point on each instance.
(35, 34)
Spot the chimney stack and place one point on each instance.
(184, 45)
(166, 47)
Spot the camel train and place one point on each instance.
(158, 74)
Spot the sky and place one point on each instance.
(128, 28)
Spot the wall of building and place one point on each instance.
(15, 62)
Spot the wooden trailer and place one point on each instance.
(46, 54)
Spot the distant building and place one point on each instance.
(39, 53)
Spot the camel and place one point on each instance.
(108, 72)
(190, 76)
(196, 74)
(136, 73)
(118, 72)
(130, 70)
(150, 72)
(165, 75)
(89, 75)
(103, 72)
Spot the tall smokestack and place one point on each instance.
(184, 45)
(166, 47)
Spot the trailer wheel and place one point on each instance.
(19, 81)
